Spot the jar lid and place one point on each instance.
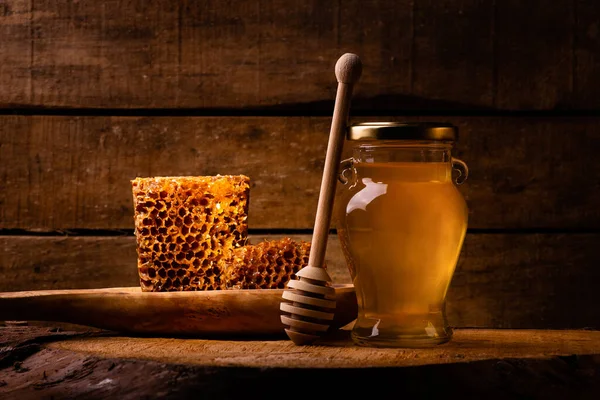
(437, 131)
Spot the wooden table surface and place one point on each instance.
(39, 363)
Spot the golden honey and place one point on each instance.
(402, 226)
(405, 225)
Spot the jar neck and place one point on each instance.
(404, 152)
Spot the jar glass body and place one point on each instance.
(401, 221)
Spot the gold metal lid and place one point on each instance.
(437, 131)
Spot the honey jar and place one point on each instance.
(401, 221)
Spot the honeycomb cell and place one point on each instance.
(192, 234)
(173, 215)
(266, 265)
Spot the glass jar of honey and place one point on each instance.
(401, 221)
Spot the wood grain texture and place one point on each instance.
(61, 173)
(213, 54)
(15, 52)
(454, 51)
(473, 344)
(534, 54)
(587, 52)
(500, 365)
(501, 281)
(204, 314)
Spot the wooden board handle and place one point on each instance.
(129, 310)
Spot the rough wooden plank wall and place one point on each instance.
(417, 54)
(453, 47)
(586, 54)
(73, 172)
(534, 54)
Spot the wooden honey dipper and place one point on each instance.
(310, 300)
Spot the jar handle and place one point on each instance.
(345, 166)
(463, 170)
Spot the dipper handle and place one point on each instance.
(311, 303)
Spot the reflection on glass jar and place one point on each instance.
(401, 221)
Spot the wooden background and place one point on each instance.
(95, 93)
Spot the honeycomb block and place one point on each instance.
(267, 265)
(185, 225)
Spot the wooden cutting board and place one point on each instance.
(198, 314)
